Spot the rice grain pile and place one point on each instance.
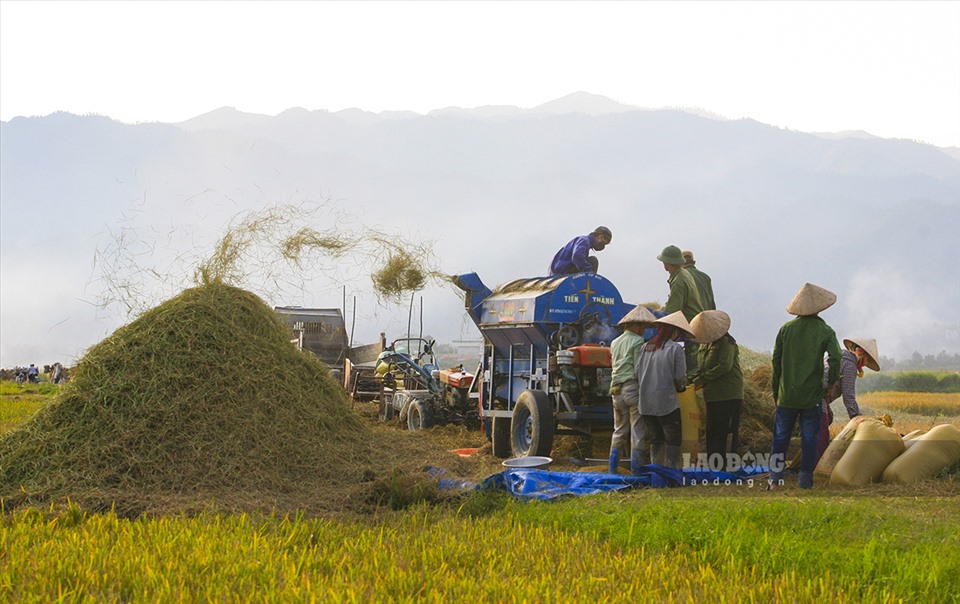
(202, 399)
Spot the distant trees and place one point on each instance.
(938, 362)
(911, 381)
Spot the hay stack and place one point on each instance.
(201, 398)
(756, 416)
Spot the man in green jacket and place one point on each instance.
(684, 297)
(797, 379)
(702, 279)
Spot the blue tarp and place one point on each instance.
(542, 484)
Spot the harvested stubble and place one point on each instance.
(201, 401)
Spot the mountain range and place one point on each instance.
(495, 190)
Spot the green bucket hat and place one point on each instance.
(671, 255)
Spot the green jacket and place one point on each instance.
(704, 287)
(798, 361)
(623, 351)
(718, 370)
(683, 295)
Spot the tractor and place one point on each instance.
(420, 394)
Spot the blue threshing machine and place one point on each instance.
(546, 363)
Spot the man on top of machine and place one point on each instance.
(573, 257)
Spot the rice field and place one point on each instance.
(910, 410)
(883, 543)
(19, 403)
(922, 403)
(643, 546)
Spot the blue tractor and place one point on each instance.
(546, 362)
(419, 393)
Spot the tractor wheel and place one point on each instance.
(419, 415)
(500, 436)
(533, 424)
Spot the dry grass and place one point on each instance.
(272, 253)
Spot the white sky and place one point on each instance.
(889, 68)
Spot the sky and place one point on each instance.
(888, 68)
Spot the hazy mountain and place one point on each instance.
(583, 102)
(495, 190)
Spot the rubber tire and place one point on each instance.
(500, 437)
(533, 425)
(419, 415)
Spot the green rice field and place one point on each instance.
(883, 543)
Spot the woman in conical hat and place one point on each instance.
(624, 389)
(865, 351)
(661, 373)
(721, 380)
(857, 354)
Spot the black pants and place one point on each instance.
(723, 418)
(664, 429)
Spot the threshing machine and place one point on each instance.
(546, 361)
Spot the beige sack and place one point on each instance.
(837, 447)
(934, 451)
(911, 437)
(691, 422)
(872, 449)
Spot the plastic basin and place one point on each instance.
(534, 461)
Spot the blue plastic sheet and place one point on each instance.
(542, 484)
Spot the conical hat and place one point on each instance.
(709, 326)
(640, 314)
(810, 300)
(675, 319)
(869, 346)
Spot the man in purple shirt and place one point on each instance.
(574, 256)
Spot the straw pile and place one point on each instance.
(756, 416)
(201, 399)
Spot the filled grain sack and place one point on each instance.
(837, 447)
(691, 422)
(929, 454)
(874, 446)
(911, 437)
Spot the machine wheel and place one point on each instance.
(500, 437)
(533, 425)
(419, 415)
(568, 335)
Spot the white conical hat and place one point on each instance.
(810, 300)
(675, 319)
(639, 314)
(869, 346)
(709, 326)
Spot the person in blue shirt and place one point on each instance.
(33, 374)
(574, 256)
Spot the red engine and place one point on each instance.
(591, 355)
